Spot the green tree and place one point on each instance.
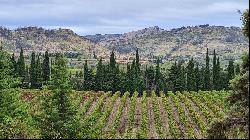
(215, 71)
(87, 77)
(190, 76)
(237, 121)
(14, 117)
(99, 76)
(173, 77)
(14, 64)
(38, 72)
(46, 68)
(33, 68)
(157, 77)
(57, 119)
(21, 65)
(219, 82)
(198, 80)
(230, 71)
(149, 78)
(207, 73)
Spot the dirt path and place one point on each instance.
(194, 126)
(112, 113)
(138, 116)
(177, 119)
(164, 120)
(124, 119)
(152, 129)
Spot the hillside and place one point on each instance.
(170, 116)
(182, 42)
(40, 39)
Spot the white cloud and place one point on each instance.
(91, 16)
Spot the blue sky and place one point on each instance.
(119, 16)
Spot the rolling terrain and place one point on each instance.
(180, 43)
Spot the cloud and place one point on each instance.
(116, 16)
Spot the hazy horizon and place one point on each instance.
(91, 17)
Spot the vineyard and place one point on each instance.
(172, 115)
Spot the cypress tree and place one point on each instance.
(27, 77)
(14, 64)
(46, 68)
(137, 60)
(182, 77)
(113, 72)
(230, 71)
(139, 84)
(215, 73)
(38, 72)
(207, 73)
(157, 77)
(202, 73)
(190, 76)
(149, 78)
(173, 77)
(99, 76)
(33, 68)
(21, 65)
(198, 80)
(87, 77)
(218, 81)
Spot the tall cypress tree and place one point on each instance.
(14, 64)
(38, 72)
(202, 73)
(198, 80)
(215, 73)
(182, 77)
(87, 77)
(99, 76)
(139, 84)
(219, 84)
(207, 73)
(113, 72)
(157, 77)
(149, 78)
(190, 76)
(230, 71)
(179, 77)
(46, 68)
(21, 65)
(173, 77)
(33, 68)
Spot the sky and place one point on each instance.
(88, 17)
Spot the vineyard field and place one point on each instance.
(180, 115)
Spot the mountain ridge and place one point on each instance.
(152, 42)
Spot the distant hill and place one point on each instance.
(152, 42)
(40, 39)
(184, 42)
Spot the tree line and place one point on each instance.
(109, 77)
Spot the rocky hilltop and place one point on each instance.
(40, 39)
(184, 42)
(152, 42)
